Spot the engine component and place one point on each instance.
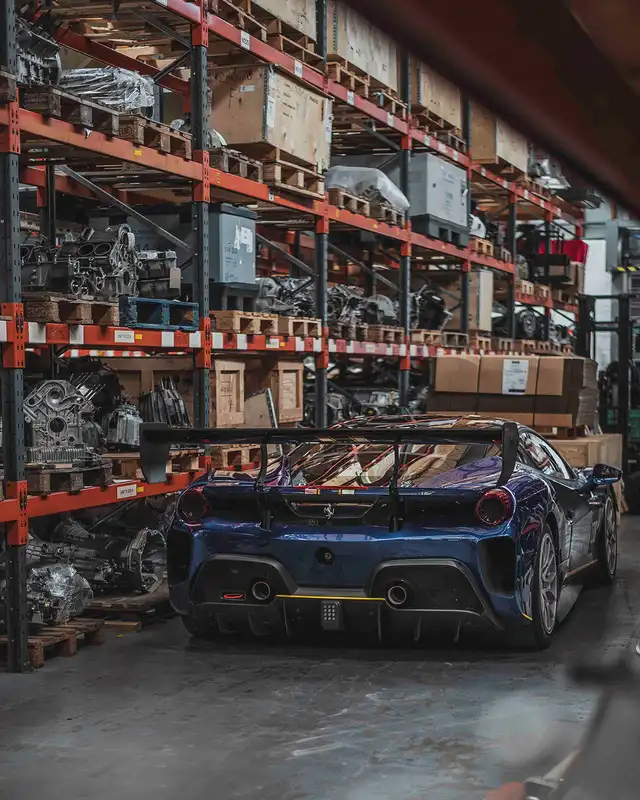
(428, 310)
(56, 593)
(158, 273)
(526, 324)
(106, 266)
(164, 404)
(108, 561)
(122, 427)
(56, 412)
(38, 55)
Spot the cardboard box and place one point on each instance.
(493, 141)
(298, 14)
(256, 107)
(435, 93)
(508, 376)
(456, 374)
(567, 392)
(354, 39)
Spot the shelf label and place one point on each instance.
(245, 40)
(273, 343)
(272, 196)
(389, 119)
(351, 98)
(297, 69)
(124, 337)
(130, 490)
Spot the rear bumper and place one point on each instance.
(437, 589)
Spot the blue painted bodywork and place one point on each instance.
(359, 549)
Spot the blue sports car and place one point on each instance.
(387, 525)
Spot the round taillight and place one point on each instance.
(494, 507)
(193, 506)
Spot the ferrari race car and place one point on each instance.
(387, 525)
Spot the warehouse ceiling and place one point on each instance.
(569, 82)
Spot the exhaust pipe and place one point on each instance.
(261, 591)
(397, 595)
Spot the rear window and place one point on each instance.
(372, 465)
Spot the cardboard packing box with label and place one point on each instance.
(507, 387)
(567, 393)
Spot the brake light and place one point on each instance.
(494, 507)
(193, 505)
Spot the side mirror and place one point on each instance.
(602, 475)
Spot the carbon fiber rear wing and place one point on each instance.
(157, 438)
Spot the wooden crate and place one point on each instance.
(227, 393)
(257, 109)
(496, 143)
(361, 45)
(436, 95)
(284, 378)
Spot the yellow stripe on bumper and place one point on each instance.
(327, 597)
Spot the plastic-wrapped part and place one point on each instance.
(119, 89)
(213, 139)
(56, 593)
(368, 183)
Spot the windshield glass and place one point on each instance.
(372, 465)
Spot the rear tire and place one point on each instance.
(545, 592)
(201, 628)
(607, 544)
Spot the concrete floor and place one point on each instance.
(152, 715)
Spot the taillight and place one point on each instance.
(193, 505)
(494, 507)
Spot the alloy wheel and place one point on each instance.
(548, 583)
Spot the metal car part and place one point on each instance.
(158, 273)
(164, 404)
(56, 593)
(122, 426)
(56, 412)
(38, 55)
(108, 561)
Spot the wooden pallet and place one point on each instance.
(131, 612)
(350, 202)
(240, 15)
(501, 345)
(286, 176)
(127, 465)
(541, 291)
(385, 333)
(293, 42)
(353, 80)
(525, 288)
(385, 213)
(41, 307)
(146, 132)
(236, 163)
(502, 254)
(158, 314)
(425, 118)
(234, 457)
(299, 326)
(565, 295)
(480, 341)
(501, 167)
(388, 101)
(454, 339)
(60, 640)
(245, 322)
(426, 337)
(42, 480)
(342, 330)
(52, 102)
(482, 246)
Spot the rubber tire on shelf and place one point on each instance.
(603, 573)
(535, 637)
(201, 628)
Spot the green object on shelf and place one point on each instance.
(634, 423)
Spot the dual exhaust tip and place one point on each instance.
(397, 594)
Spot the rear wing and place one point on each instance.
(156, 440)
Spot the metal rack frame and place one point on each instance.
(16, 334)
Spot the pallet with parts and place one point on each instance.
(234, 457)
(230, 321)
(385, 213)
(482, 246)
(146, 132)
(48, 307)
(44, 479)
(158, 314)
(343, 199)
(388, 101)
(60, 640)
(385, 333)
(236, 163)
(306, 327)
(288, 40)
(130, 612)
(52, 102)
(455, 339)
(351, 78)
